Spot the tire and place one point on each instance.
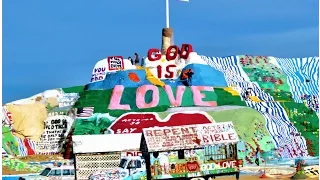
(197, 178)
(21, 178)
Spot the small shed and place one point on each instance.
(101, 152)
(197, 136)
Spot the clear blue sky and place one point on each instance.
(50, 44)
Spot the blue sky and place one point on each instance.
(50, 44)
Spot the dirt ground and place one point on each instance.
(34, 158)
(41, 158)
(7, 171)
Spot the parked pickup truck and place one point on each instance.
(62, 172)
(131, 167)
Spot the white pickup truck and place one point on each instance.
(131, 167)
(53, 173)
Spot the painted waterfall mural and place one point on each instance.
(272, 102)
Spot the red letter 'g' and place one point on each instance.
(157, 55)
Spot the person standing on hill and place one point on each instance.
(142, 62)
(136, 58)
(186, 77)
(257, 156)
(248, 94)
(131, 60)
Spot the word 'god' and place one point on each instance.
(172, 53)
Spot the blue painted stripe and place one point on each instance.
(298, 71)
(277, 121)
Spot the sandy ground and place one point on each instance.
(7, 171)
(41, 158)
(286, 171)
(34, 158)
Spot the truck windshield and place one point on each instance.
(123, 163)
(45, 172)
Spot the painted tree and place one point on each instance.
(249, 161)
(257, 60)
(265, 156)
(300, 173)
(247, 158)
(272, 79)
(265, 79)
(310, 147)
(265, 60)
(243, 61)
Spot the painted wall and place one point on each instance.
(281, 112)
(280, 115)
(56, 129)
(168, 164)
(39, 124)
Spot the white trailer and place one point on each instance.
(101, 152)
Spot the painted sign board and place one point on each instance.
(134, 122)
(115, 63)
(189, 136)
(99, 71)
(102, 67)
(55, 133)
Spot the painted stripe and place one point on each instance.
(22, 149)
(298, 71)
(277, 121)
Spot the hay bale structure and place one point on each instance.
(166, 39)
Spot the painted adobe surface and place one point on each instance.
(280, 116)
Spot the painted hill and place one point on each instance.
(273, 103)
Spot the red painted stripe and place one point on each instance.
(29, 149)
